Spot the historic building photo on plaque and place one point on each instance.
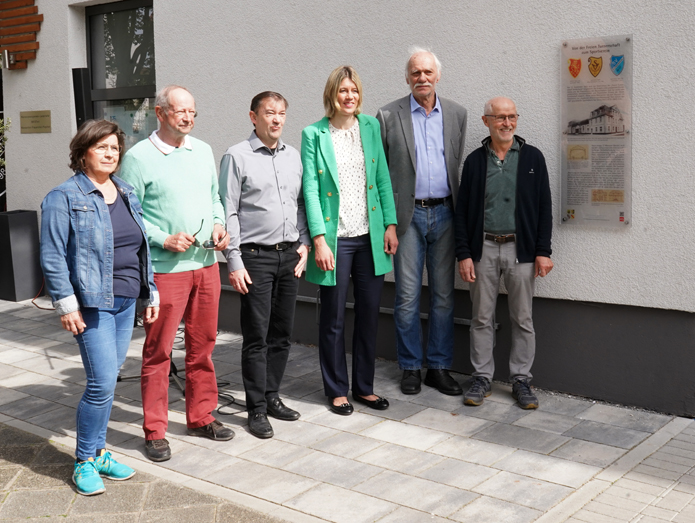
(596, 131)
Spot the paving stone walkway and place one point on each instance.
(425, 459)
(35, 484)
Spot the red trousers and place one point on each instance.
(193, 296)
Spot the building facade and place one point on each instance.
(615, 319)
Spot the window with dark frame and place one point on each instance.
(121, 58)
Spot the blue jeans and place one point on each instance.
(103, 347)
(429, 239)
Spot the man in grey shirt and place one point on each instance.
(261, 189)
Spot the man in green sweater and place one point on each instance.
(175, 178)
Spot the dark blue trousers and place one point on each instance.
(354, 258)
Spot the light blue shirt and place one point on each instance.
(432, 180)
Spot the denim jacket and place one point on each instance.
(77, 246)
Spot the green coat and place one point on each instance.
(322, 193)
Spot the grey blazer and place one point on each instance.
(399, 145)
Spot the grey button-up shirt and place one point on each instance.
(261, 191)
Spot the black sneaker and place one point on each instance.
(215, 431)
(521, 392)
(478, 391)
(158, 449)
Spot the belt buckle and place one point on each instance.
(423, 204)
(278, 247)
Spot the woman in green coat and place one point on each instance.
(352, 220)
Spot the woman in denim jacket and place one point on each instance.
(96, 263)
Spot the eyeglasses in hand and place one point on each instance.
(207, 244)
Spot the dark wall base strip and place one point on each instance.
(630, 355)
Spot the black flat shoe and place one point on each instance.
(377, 404)
(344, 410)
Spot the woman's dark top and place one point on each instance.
(127, 241)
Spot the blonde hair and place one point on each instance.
(330, 93)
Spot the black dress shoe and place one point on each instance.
(410, 383)
(214, 430)
(259, 425)
(441, 380)
(277, 409)
(344, 410)
(377, 404)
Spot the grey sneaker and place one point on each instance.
(480, 389)
(521, 392)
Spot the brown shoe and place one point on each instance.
(158, 449)
(214, 430)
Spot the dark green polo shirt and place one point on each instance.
(500, 191)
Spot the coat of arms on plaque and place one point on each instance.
(575, 65)
(595, 65)
(617, 64)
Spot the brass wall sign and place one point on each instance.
(35, 122)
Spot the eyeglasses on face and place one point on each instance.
(192, 113)
(502, 117)
(102, 148)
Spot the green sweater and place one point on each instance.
(178, 191)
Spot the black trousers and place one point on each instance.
(354, 257)
(267, 317)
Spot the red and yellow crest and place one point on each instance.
(595, 65)
(575, 65)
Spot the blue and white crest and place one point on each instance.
(617, 64)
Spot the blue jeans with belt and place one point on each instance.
(103, 347)
(429, 240)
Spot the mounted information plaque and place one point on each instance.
(31, 122)
(596, 131)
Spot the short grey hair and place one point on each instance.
(417, 50)
(488, 105)
(162, 97)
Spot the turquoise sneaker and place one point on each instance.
(86, 478)
(112, 469)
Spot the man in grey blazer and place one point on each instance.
(424, 138)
